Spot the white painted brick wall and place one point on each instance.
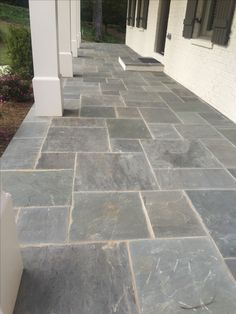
(209, 73)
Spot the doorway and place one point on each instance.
(162, 23)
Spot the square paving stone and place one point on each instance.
(230, 134)
(99, 112)
(231, 263)
(182, 276)
(43, 225)
(159, 115)
(84, 279)
(77, 122)
(56, 161)
(32, 129)
(127, 113)
(103, 101)
(64, 139)
(165, 131)
(126, 146)
(178, 179)
(218, 212)
(197, 131)
(179, 154)
(107, 216)
(21, 153)
(223, 150)
(171, 215)
(113, 172)
(39, 188)
(233, 172)
(128, 128)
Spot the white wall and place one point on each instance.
(210, 72)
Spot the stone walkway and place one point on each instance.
(128, 203)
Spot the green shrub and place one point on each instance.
(20, 51)
(2, 36)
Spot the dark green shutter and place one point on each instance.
(129, 12)
(145, 14)
(138, 19)
(190, 18)
(133, 10)
(224, 13)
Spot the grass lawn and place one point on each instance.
(10, 15)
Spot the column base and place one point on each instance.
(48, 96)
(74, 48)
(66, 64)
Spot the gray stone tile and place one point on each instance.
(39, 188)
(191, 118)
(216, 118)
(179, 154)
(107, 216)
(91, 278)
(218, 212)
(156, 87)
(141, 96)
(80, 89)
(113, 172)
(43, 225)
(107, 101)
(21, 154)
(233, 172)
(126, 146)
(160, 131)
(191, 106)
(171, 215)
(127, 113)
(31, 117)
(56, 161)
(72, 104)
(95, 79)
(159, 115)
(182, 276)
(170, 98)
(146, 104)
(113, 87)
(223, 150)
(99, 112)
(32, 129)
(230, 134)
(178, 179)
(64, 139)
(110, 93)
(197, 131)
(78, 122)
(182, 92)
(231, 263)
(70, 112)
(128, 128)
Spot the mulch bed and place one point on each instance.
(11, 116)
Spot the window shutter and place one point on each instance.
(138, 19)
(224, 13)
(190, 18)
(145, 14)
(129, 12)
(133, 10)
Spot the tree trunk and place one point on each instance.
(97, 18)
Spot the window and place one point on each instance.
(142, 13)
(131, 12)
(209, 19)
(163, 16)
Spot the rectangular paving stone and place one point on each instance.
(93, 278)
(159, 115)
(197, 131)
(126, 146)
(171, 215)
(191, 118)
(42, 225)
(113, 172)
(218, 211)
(38, 188)
(178, 179)
(32, 129)
(127, 112)
(182, 276)
(170, 98)
(107, 216)
(216, 118)
(78, 122)
(113, 87)
(103, 101)
(64, 139)
(230, 134)
(163, 131)
(179, 154)
(223, 150)
(127, 128)
(182, 92)
(99, 112)
(191, 106)
(21, 154)
(140, 96)
(231, 263)
(56, 161)
(146, 104)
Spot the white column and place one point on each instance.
(78, 23)
(65, 55)
(46, 82)
(74, 45)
